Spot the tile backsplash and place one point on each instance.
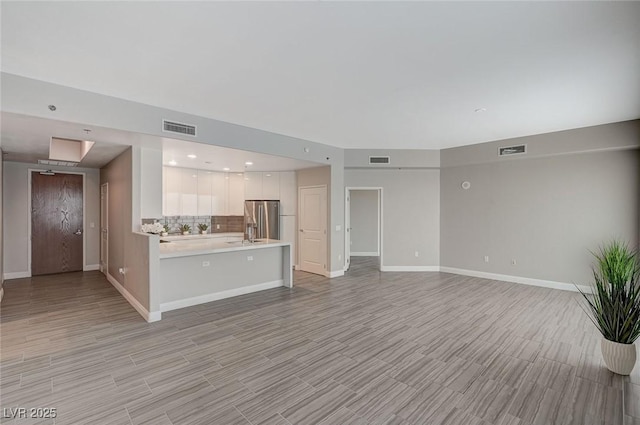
(217, 223)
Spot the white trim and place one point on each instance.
(91, 267)
(149, 317)
(365, 254)
(16, 275)
(410, 268)
(517, 279)
(336, 273)
(347, 213)
(201, 299)
(1, 294)
(84, 213)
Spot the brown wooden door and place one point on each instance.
(56, 223)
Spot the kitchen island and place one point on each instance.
(199, 269)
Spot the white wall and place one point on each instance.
(1, 235)
(410, 215)
(364, 222)
(16, 216)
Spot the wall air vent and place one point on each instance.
(512, 150)
(178, 127)
(376, 160)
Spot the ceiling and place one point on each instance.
(348, 74)
(26, 139)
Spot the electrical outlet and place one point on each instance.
(206, 264)
(249, 257)
(339, 257)
(417, 254)
(217, 227)
(121, 270)
(92, 225)
(338, 227)
(486, 258)
(513, 262)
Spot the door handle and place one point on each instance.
(78, 232)
(301, 231)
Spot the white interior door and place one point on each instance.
(104, 228)
(312, 240)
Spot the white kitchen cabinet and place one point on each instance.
(288, 233)
(205, 192)
(288, 193)
(270, 186)
(262, 186)
(189, 192)
(235, 199)
(172, 189)
(219, 193)
(253, 185)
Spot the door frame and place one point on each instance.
(347, 221)
(104, 268)
(326, 235)
(84, 215)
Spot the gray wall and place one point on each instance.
(410, 213)
(364, 222)
(1, 237)
(16, 214)
(118, 174)
(546, 213)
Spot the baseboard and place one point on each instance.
(336, 273)
(516, 279)
(16, 275)
(364, 254)
(188, 302)
(91, 267)
(149, 317)
(409, 268)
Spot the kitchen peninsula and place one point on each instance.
(197, 270)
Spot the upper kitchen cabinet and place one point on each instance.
(205, 192)
(253, 185)
(235, 198)
(271, 186)
(189, 192)
(262, 186)
(288, 193)
(171, 190)
(219, 193)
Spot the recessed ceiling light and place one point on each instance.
(268, 175)
(194, 175)
(172, 162)
(248, 163)
(192, 156)
(481, 110)
(240, 174)
(225, 169)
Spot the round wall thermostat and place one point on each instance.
(466, 185)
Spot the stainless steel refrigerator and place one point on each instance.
(264, 217)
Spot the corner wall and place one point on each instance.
(573, 191)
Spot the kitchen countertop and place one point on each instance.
(183, 246)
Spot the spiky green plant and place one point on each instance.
(614, 305)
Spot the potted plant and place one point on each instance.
(165, 230)
(203, 228)
(614, 305)
(186, 229)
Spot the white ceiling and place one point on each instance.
(349, 74)
(26, 139)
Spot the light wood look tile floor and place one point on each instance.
(368, 348)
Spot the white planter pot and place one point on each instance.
(164, 234)
(619, 358)
(185, 233)
(203, 232)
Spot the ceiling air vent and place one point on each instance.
(178, 127)
(56, 162)
(512, 150)
(375, 160)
